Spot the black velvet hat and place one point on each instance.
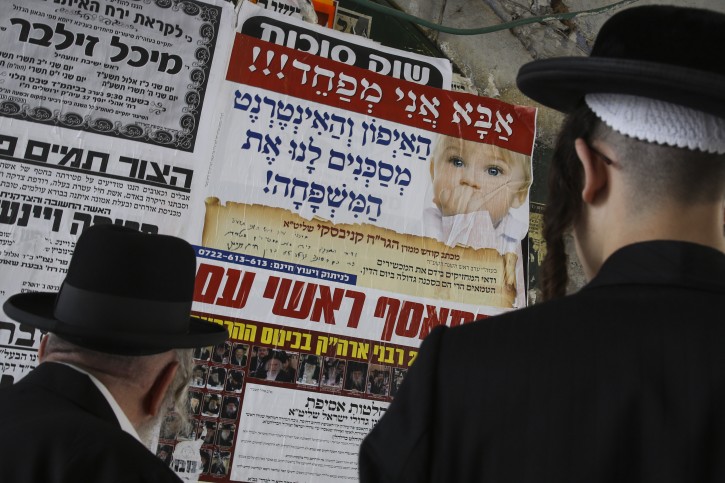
(673, 54)
(125, 292)
(279, 355)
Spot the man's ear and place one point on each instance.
(157, 392)
(43, 347)
(596, 176)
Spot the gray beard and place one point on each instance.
(174, 402)
(148, 432)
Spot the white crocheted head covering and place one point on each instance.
(659, 122)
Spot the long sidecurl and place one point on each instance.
(564, 203)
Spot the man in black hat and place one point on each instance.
(356, 375)
(274, 368)
(117, 354)
(623, 381)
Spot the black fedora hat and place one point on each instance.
(125, 292)
(668, 53)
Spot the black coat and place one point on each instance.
(622, 382)
(60, 429)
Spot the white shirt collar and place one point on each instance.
(120, 415)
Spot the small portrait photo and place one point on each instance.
(225, 435)
(208, 431)
(170, 426)
(235, 381)
(202, 353)
(333, 372)
(217, 376)
(194, 402)
(239, 355)
(205, 456)
(259, 357)
(356, 377)
(212, 405)
(220, 463)
(230, 407)
(309, 370)
(398, 376)
(378, 380)
(279, 366)
(165, 452)
(198, 375)
(220, 353)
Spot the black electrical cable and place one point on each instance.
(493, 28)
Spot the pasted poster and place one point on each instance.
(347, 214)
(103, 108)
(350, 21)
(329, 242)
(296, 34)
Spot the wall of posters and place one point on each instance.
(342, 202)
(318, 250)
(103, 108)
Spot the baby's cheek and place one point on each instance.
(442, 197)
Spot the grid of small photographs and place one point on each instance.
(217, 384)
(213, 404)
(326, 373)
